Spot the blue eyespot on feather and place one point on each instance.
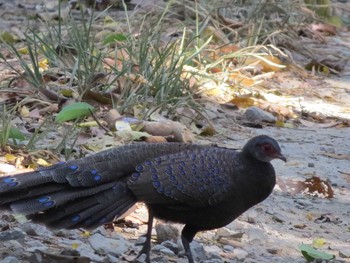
(73, 167)
(156, 184)
(97, 177)
(75, 218)
(139, 168)
(49, 203)
(43, 199)
(148, 163)
(154, 177)
(94, 171)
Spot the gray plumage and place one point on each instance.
(203, 187)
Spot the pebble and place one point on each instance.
(167, 232)
(198, 251)
(162, 249)
(12, 235)
(10, 259)
(171, 245)
(228, 248)
(240, 254)
(104, 246)
(256, 114)
(344, 253)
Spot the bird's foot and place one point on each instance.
(146, 248)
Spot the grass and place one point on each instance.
(153, 72)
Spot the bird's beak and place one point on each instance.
(281, 157)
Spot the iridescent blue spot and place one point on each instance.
(193, 157)
(13, 184)
(156, 184)
(168, 167)
(182, 163)
(139, 168)
(169, 172)
(93, 171)
(180, 187)
(73, 167)
(153, 170)
(182, 172)
(172, 178)
(148, 163)
(97, 177)
(201, 188)
(8, 180)
(59, 163)
(75, 218)
(193, 166)
(168, 192)
(49, 203)
(154, 177)
(43, 199)
(135, 176)
(160, 189)
(158, 160)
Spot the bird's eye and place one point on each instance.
(268, 149)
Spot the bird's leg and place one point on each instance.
(146, 248)
(187, 235)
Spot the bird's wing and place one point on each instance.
(198, 178)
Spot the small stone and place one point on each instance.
(12, 235)
(228, 248)
(256, 114)
(344, 253)
(167, 232)
(10, 259)
(164, 250)
(225, 232)
(198, 251)
(240, 254)
(310, 165)
(213, 252)
(104, 246)
(171, 245)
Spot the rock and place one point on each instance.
(167, 232)
(34, 245)
(257, 235)
(240, 254)
(36, 230)
(344, 253)
(171, 245)
(228, 248)
(251, 215)
(255, 114)
(10, 259)
(162, 249)
(12, 235)
(225, 232)
(213, 252)
(198, 251)
(7, 168)
(104, 246)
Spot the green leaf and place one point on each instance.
(74, 111)
(311, 254)
(16, 134)
(112, 38)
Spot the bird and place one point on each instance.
(204, 187)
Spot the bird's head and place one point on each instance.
(263, 148)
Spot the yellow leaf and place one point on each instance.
(86, 234)
(10, 157)
(23, 51)
(42, 162)
(44, 64)
(24, 112)
(318, 242)
(309, 216)
(75, 246)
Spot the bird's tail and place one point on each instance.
(61, 205)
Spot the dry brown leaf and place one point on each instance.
(313, 186)
(244, 101)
